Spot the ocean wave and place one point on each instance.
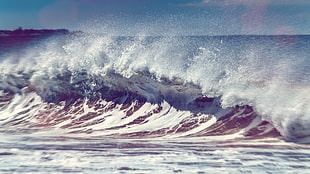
(245, 86)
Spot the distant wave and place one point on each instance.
(243, 86)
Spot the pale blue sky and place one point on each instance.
(197, 17)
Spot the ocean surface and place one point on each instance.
(95, 103)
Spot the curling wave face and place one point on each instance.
(253, 86)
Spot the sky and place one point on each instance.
(185, 17)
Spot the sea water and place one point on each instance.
(92, 103)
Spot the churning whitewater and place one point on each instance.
(163, 86)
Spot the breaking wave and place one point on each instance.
(143, 86)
